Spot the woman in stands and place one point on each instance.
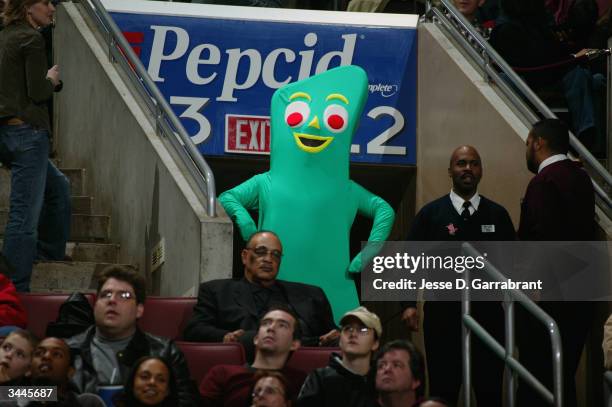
(26, 84)
(150, 383)
(271, 390)
(16, 357)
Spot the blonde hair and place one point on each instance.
(16, 10)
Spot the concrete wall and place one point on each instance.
(131, 173)
(455, 107)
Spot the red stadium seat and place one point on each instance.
(308, 358)
(43, 308)
(167, 316)
(201, 357)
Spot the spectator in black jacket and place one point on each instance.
(400, 373)
(105, 352)
(345, 379)
(230, 310)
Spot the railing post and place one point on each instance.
(509, 376)
(466, 334)
(609, 106)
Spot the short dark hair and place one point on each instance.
(125, 274)
(279, 306)
(62, 340)
(554, 132)
(259, 232)
(417, 364)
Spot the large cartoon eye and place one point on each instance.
(336, 118)
(296, 113)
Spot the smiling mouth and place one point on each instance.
(310, 143)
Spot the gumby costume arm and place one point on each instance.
(238, 200)
(371, 206)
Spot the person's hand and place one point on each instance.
(329, 337)
(53, 75)
(233, 336)
(410, 316)
(582, 52)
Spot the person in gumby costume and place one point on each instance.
(307, 197)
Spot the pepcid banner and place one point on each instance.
(219, 65)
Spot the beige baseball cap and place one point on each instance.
(369, 319)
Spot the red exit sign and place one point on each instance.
(247, 134)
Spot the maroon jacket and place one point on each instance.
(559, 205)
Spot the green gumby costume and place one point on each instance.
(307, 197)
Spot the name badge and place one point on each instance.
(487, 228)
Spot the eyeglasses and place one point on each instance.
(359, 330)
(268, 391)
(262, 251)
(121, 295)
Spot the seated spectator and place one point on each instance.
(399, 374)
(52, 365)
(278, 335)
(229, 310)
(105, 352)
(12, 314)
(150, 383)
(16, 357)
(524, 38)
(345, 379)
(271, 390)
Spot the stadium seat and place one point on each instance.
(167, 316)
(201, 357)
(43, 308)
(308, 358)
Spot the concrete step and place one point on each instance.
(81, 204)
(75, 176)
(91, 252)
(84, 228)
(66, 276)
(90, 228)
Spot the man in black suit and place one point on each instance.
(229, 310)
(461, 215)
(559, 204)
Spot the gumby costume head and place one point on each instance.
(313, 122)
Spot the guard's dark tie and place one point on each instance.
(465, 214)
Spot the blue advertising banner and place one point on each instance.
(218, 67)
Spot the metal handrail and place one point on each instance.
(491, 64)
(166, 121)
(507, 353)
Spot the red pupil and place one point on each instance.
(335, 121)
(294, 119)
